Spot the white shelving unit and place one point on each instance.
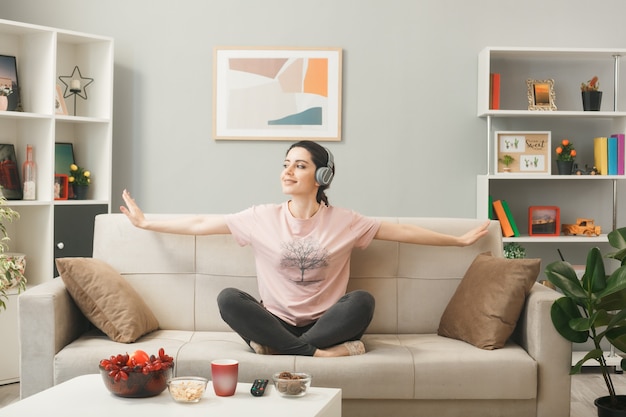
(586, 196)
(43, 54)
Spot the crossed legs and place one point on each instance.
(346, 321)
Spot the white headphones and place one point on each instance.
(324, 175)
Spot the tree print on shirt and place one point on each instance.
(305, 255)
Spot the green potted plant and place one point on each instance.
(592, 97)
(565, 155)
(507, 160)
(513, 250)
(79, 179)
(594, 308)
(11, 266)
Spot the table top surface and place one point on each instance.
(87, 395)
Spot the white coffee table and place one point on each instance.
(87, 396)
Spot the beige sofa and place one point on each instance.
(408, 369)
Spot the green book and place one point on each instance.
(509, 215)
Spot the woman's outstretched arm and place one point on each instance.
(185, 225)
(408, 233)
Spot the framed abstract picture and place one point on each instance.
(9, 87)
(277, 93)
(9, 173)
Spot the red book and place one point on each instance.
(494, 98)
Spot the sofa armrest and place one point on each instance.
(48, 320)
(553, 353)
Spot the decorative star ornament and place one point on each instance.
(84, 82)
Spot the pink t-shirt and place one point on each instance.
(303, 266)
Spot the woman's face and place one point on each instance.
(298, 175)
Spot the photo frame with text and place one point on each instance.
(544, 221)
(525, 152)
(541, 95)
(277, 93)
(9, 84)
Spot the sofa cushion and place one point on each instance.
(106, 299)
(488, 301)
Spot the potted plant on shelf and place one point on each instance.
(594, 308)
(565, 155)
(592, 98)
(507, 160)
(79, 178)
(11, 265)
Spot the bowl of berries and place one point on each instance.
(138, 375)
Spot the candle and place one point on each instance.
(75, 85)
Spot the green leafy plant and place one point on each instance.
(591, 85)
(79, 176)
(507, 160)
(565, 151)
(593, 307)
(11, 271)
(514, 250)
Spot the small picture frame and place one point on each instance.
(522, 152)
(10, 184)
(541, 95)
(59, 102)
(544, 221)
(9, 83)
(61, 189)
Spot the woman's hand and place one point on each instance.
(132, 210)
(473, 235)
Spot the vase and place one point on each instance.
(80, 192)
(592, 100)
(564, 167)
(4, 103)
(604, 406)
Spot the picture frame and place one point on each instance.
(61, 189)
(530, 152)
(9, 173)
(59, 102)
(277, 93)
(9, 82)
(63, 158)
(544, 221)
(541, 95)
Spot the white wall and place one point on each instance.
(412, 144)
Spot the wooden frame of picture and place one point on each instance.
(277, 93)
(544, 221)
(541, 95)
(530, 152)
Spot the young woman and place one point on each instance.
(302, 250)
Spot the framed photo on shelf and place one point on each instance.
(541, 95)
(59, 102)
(277, 93)
(9, 173)
(522, 152)
(9, 86)
(61, 187)
(63, 158)
(544, 221)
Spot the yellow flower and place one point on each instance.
(73, 167)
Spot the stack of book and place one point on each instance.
(502, 213)
(609, 154)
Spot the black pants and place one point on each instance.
(346, 320)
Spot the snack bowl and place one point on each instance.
(291, 384)
(187, 389)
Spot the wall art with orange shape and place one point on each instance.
(277, 93)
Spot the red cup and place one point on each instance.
(224, 374)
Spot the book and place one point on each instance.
(490, 209)
(510, 218)
(505, 225)
(621, 153)
(612, 155)
(600, 155)
(494, 91)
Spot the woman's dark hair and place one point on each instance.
(319, 155)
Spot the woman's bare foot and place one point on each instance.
(351, 348)
(261, 350)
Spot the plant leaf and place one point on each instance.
(563, 312)
(594, 279)
(563, 276)
(594, 354)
